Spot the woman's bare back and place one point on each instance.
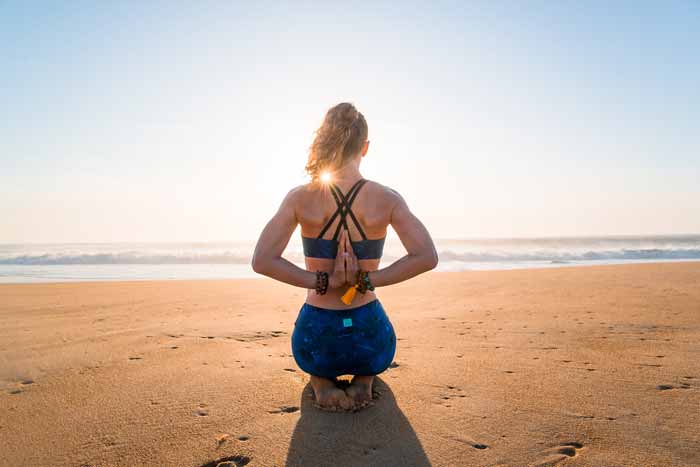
(372, 207)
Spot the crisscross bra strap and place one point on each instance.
(347, 202)
(344, 203)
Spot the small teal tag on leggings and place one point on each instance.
(347, 322)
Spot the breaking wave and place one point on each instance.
(556, 256)
(564, 257)
(125, 258)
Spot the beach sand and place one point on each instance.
(596, 366)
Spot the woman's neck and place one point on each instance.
(347, 174)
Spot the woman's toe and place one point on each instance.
(346, 402)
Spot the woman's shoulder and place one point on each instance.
(303, 194)
(376, 190)
(383, 192)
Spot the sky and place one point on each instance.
(190, 121)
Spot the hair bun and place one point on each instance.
(346, 115)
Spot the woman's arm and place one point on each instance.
(267, 258)
(421, 255)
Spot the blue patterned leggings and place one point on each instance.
(354, 341)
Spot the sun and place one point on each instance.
(326, 177)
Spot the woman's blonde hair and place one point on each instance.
(339, 139)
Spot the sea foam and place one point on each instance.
(116, 261)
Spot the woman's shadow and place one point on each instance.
(376, 435)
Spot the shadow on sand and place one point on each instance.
(377, 435)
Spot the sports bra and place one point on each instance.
(328, 248)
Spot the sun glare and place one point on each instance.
(326, 177)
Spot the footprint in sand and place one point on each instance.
(289, 369)
(556, 454)
(135, 358)
(666, 387)
(449, 396)
(201, 411)
(469, 441)
(229, 461)
(285, 409)
(371, 450)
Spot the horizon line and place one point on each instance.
(500, 238)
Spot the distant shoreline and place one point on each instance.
(8, 281)
(229, 260)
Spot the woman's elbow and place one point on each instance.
(260, 265)
(431, 260)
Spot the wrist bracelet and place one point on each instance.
(370, 286)
(363, 282)
(368, 283)
(321, 282)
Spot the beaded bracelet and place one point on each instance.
(363, 282)
(321, 282)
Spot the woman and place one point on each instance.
(342, 328)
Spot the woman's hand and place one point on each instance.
(351, 263)
(337, 277)
(345, 266)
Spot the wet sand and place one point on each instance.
(596, 366)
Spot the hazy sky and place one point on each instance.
(189, 121)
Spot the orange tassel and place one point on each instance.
(349, 295)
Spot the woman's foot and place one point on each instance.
(329, 396)
(360, 390)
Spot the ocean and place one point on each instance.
(224, 260)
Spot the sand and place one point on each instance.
(595, 366)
